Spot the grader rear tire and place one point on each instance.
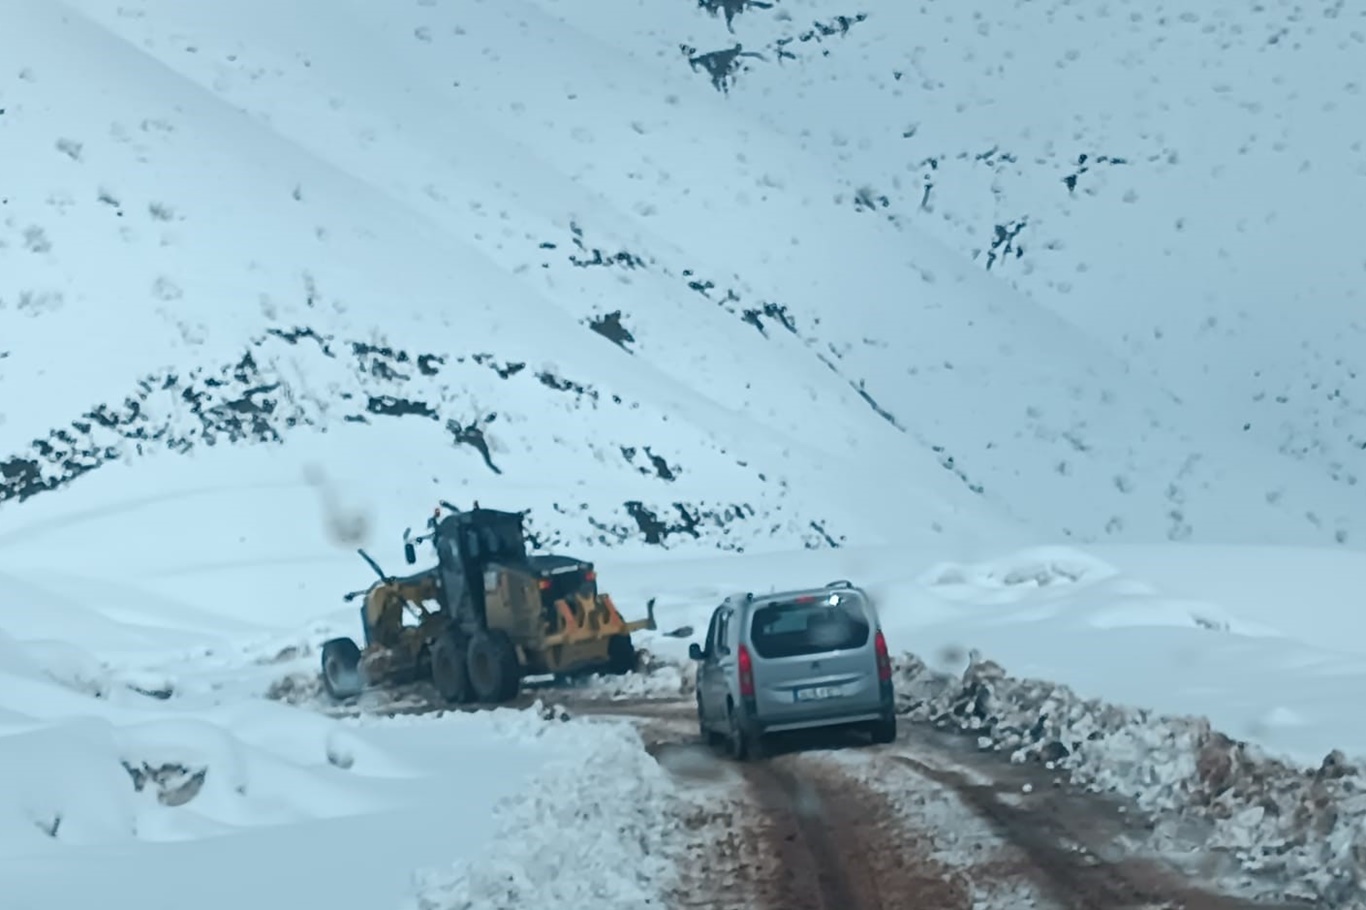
(450, 672)
(495, 675)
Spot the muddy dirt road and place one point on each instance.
(926, 823)
(831, 822)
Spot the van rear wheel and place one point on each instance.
(710, 738)
(741, 743)
(884, 730)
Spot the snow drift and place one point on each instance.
(1295, 832)
(590, 829)
(88, 759)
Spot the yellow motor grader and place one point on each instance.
(485, 616)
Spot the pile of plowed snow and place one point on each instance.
(656, 678)
(588, 831)
(1292, 832)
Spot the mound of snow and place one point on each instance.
(1038, 567)
(657, 676)
(89, 758)
(665, 682)
(1295, 832)
(588, 831)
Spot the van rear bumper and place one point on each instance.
(837, 720)
(759, 724)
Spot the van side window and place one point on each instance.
(723, 633)
(709, 648)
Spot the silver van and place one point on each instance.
(792, 661)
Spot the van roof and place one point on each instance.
(794, 593)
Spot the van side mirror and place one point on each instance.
(409, 553)
(695, 651)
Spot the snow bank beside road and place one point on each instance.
(155, 799)
(1063, 615)
(1187, 645)
(657, 677)
(1294, 832)
(87, 759)
(590, 830)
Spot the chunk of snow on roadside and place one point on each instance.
(589, 831)
(153, 685)
(666, 680)
(1153, 611)
(1295, 832)
(656, 677)
(1281, 717)
(663, 682)
(1033, 568)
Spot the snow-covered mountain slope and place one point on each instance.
(226, 223)
(193, 304)
(1180, 180)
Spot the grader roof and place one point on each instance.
(486, 535)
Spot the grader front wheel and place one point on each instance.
(341, 669)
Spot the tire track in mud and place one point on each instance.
(918, 824)
(798, 812)
(861, 857)
(1069, 873)
(788, 834)
(1059, 841)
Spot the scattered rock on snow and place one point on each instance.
(552, 712)
(175, 785)
(296, 688)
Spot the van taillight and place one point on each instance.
(884, 661)
(746, 666)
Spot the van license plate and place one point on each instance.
(817, 693)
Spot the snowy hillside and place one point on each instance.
(904, 293)
(1180, 180)
(577, 276)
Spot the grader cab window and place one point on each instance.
(484, 537)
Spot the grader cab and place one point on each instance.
(485, 616)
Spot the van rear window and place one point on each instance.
(792, 629)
